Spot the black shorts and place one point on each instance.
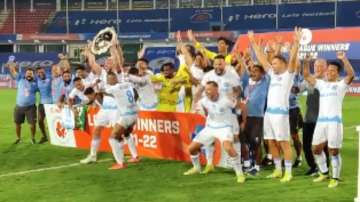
(253, 133)
(296, 120)
(21, 112)
(41, 112)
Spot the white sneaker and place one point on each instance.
(89, 159)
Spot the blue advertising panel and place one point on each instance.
(129, 21)
(315, 15)
(250, 17)
(196, 19)
(7, 37)
(25, 60)
(348, 13)
(158, 56)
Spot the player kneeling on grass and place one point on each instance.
(218, 125)
(329, 127)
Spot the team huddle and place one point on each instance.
(248, 102)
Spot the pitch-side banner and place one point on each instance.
(161, 135)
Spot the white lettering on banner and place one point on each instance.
(314, 49)
(260, 16)
(354, 90)
(157, 20)
(103, 21)
(331, 13)
(308, 48)
(158, 125)
(290, 15)
(333, 47)
(148, 141)
(312, 14)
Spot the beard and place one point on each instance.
(29, 78)
(219, 72)
(67, 82)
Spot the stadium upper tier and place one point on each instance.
(202, 15)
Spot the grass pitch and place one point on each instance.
(152, 180)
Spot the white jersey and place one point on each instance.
(145, 89)
(87, 81)
(79, 94)
(124, 96)
(231, 69)
(93, 77)
(102, 77)
(279, 92)
(197, 72)
(108, 103)
(331, 99)
(219, 113)
(226, 82)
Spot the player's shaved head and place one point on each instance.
(211, 90)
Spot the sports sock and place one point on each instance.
(117, 150)
(321, 162)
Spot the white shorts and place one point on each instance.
(105, 118)
(235, 124)
(276, 127)
(147, 106)
(207, 135)
(126, 121)
(330, 132)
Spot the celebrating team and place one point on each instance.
(245, 101)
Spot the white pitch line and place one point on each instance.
(349, 127)
(46, 169)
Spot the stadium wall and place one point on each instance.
(261, 17)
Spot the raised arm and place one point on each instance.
(198, 94)
(117, 53)
(260, 55)
(12, 69)
(306, 71)
(64, 63)
(294, 50)
(347, 66)
(198, 46)
(95, 67)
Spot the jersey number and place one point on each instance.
(130, 96)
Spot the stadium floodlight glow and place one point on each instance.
(10, 41)
(357, 199)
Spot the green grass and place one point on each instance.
(152, 180)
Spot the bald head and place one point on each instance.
(320, 65)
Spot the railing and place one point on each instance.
(144, 4)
